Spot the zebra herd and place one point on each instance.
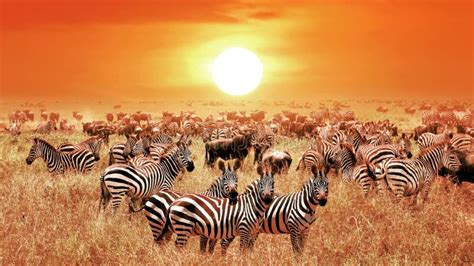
(144, 169)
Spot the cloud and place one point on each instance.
(32, 13)
(265, 15)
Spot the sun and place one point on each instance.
(237, 71)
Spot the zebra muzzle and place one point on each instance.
(322, 199)
(190, 166)
(28, 161)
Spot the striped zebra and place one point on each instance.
(428, 117)
(461, 142)
(116, 152)
(295, 212)
(379, 139)
(362, 175)
(330, 153)
(410, 177)
(157, 206)
(338, 137)
(347, 159)
(220, 133)
(120, 181)
(463, 118)
(355, 138)
(378, 154)
(93, 144)
(309, 158)
(217, 218)
(428, 139)
(81, 160)
(152, 146)
(140, 160)
(261, 139)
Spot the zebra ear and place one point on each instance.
(221, 165)
(260, 170)
(314, 169)
(237, 165)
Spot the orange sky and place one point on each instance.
(144, 48)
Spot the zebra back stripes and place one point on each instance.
(309, 158)
(93, 144)
(429, 139)
(461, 142)
(81, 160)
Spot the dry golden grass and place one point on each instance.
(53, 219)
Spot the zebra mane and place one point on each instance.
(429, 150)
(44, 142)
(167, 151)
(251, 187)
(348, 146)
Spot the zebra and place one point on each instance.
(220, 133)
(355, 138)
(157, 206)
(461, 142)
(93, 144)
(410, 177)
(218, 218)
(330, 153)
(140, 160)
(309, 158)
(81, 160)
(362, 175)
(379, 139)
(117, 151)
(338, 137)
(378, 154)
(347, 159)
(428, 139)
(295, 212)
(135, 146)
(119, 181)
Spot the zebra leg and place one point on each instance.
(225, 243)
(182, 238)
(295, 240)
(212, 245)
(202, 244)
(117, 200)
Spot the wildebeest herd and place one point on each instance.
(373, 155)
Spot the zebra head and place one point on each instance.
(131, 141)
(404, 144)
(319, 184)
(229, 179)
(266, 184)
(185, 158)
(35, 152)
(450, 160)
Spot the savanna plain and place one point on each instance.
(48, 219)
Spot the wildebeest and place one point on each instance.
(226, 149)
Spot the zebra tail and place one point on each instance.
(370, 170)
(166, 227)
(206, 151)
(110, 158)
(104, 193)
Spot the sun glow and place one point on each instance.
(237, 71)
